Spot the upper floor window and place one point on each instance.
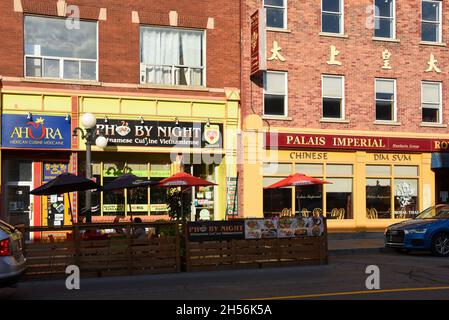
(333, 97)
(276, 13)
(275, 93)
(431, 21)
(431, 102)
(172, 56)
(54, 49)
(332, 16)
(385, 99)
(384, 18)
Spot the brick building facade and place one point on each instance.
(364, 55)
(197, 86)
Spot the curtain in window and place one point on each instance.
(160, 50)
(190, 55)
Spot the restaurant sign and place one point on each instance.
(37, 131)
(161, 133)
(258, 42)
(215, 230)
(321, 141)
(52, 170)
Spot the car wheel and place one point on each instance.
(440, 245)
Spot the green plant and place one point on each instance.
(179, 204)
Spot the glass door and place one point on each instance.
(19, 203)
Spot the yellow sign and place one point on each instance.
(334, 54)
(433, 64)
(386, 55)
(275, 53)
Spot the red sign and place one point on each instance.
(346, 142)
(258, 48)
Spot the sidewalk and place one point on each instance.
(344, 243)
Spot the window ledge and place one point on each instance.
(330, 120)
(279, 30)
(267, 117)
(430, 43)
(387, 123)
(157, 86)
(385, 39)
(61, 81)
(333, 35)
(433, 125)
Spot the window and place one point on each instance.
(385, 99)
(52, 50)
(276, 13)
(276, 201)
(431, 20)
(171, 56)
(332, 16)
(431, 102)
(339, 198)
(275, 93)
(333, 97)
(384, 19)
(384, 191)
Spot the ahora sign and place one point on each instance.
(41, 131)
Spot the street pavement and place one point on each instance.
(402, 276)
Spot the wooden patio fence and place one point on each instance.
(118, 255)
(261, 253)
(167, 250)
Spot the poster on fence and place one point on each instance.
(284, 228)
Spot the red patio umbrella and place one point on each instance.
(184, 180)
(297, 180)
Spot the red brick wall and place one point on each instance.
(307, 52)
(119, 37)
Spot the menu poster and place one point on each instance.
(253, 228)
(287, 227)
(269, 229)
(315, 226)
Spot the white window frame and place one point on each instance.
(440, 107)
(343, 109)
(266, 6)
(393, 19)
(395, 109)
(144, 81)
(285, 95)
(61, 59)
(439, 23)
(341, 14)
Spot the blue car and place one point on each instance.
(428, 231)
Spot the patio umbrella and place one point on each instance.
(297, 180)
(65, 183)
(128, 181)
(184, 180)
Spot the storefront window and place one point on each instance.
(309, 200)
(378, 198)
(405, 198)
(203, 197)
(19, 170)
(309, 169)
(277, 168)
(276, 202)
(339, 198)
(113, 201)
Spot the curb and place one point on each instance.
(337, 252)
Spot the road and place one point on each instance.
(416, 276)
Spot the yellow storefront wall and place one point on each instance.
(224, 110)
(254, 175)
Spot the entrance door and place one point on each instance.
(19, 203)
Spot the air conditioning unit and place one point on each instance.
(143, 74)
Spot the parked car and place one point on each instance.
(12, 260)
(428, 231)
